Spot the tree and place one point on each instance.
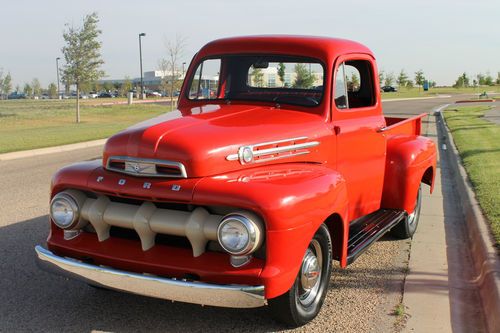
(409, 84)
(52, 90)
(488, 79)
(389, 79)
(498, 78)
(282, 69)
(82, 54)
(353, 82)
(7, 85)
(303, 78)
(462, 81)
(107, 86)
(28, 90)
(402, 79)
(172, 64)
(257, 77)
(381, 77)
(419, 78)
(37, 88)
(480, 79)
(126, 86)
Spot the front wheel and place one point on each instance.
(303, 301)
(408, 225)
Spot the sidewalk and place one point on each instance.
(50, 150)
(426, 291)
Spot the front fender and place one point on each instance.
(408, 159)
(294, 199)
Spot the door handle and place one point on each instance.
(336, 129)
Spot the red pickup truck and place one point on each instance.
(277, 161)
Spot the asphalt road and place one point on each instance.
(360, 298)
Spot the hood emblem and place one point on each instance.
(145, 167)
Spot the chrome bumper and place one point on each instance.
(233, 296)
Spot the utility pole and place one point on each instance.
(142, 34)
(57, 71)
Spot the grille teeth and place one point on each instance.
(146, 167)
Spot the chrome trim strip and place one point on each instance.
(280, 157)
(284, 149)
(232, 296)
(233, 157)
(276, 150)
(182, 169)
(279, 141)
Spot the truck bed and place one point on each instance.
(412, 126)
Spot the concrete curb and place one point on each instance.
(50, 150)
(485, 256)
(476, 101)
(413, 98)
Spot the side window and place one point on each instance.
(340, 88)
(205, 83)
(358, 84)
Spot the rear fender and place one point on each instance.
(410, 160)
(294, 199)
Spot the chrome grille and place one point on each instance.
(143, 167)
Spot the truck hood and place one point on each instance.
(202, 138)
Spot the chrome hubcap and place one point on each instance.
(310, 273)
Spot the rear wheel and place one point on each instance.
(408, 225)
(303, 301)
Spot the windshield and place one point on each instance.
(267, 78)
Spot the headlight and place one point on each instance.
(240, 233)
(64, 211)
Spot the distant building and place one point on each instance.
(154, 80)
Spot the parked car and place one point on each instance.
(16, 95)
(389, 89)
(243, 198)
(151, 93)
(105, 94)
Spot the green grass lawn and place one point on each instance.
(29, 124)
(478, 142)
(416, 92)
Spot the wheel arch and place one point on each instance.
(339, 233)
(411, 160)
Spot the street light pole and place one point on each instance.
(57, 71)
(142, 34)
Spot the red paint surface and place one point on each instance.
(356, 169)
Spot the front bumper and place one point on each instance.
(233, 296)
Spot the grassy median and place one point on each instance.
(29, 124)
(433, 92)
(478, 142)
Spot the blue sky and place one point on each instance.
(441, 37)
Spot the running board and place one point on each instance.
(367, 229)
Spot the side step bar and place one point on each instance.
(366, 230)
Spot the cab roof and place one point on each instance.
(323, 48)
